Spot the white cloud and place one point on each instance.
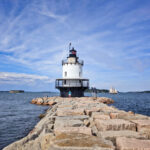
(22, 78)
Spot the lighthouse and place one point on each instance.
(72, 84)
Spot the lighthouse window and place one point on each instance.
(64, 81)
(79, 74)
(65, 74)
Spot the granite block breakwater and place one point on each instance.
(85, 123)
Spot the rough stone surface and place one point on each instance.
(69, 112)
(80, 142)
(142, 125)
(127, 116)
(83, 130)
(112, 135)
(93, 109)
(105, 100)
(124, 143)
(99, 115)
(76, 117)
(114, 124)
(68, 123)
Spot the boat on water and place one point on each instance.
(113, 90)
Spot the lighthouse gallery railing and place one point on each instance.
(72, 83)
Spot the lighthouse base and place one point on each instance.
(75, 92)
(72, 87)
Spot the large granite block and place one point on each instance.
(83, 130)
(124, 143)
(114, 124)
(69, 112)
(142, 125)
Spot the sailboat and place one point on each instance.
(113, 90)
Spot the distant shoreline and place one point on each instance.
(89, 91)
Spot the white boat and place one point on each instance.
(113, 90)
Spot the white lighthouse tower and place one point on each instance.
(72, 84)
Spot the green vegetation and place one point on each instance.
(144, 92)
(16, 91)
(98, 90)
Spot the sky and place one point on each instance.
(111, 36)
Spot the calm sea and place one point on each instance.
(18, 116)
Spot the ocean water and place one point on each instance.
(136, 102)
(18, 117)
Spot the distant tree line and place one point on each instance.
(90, 90)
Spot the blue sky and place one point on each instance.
(111, 36)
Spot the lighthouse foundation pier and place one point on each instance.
(85, 123)
(72, 87)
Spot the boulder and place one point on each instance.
(69, 112)
(105, 100)
(33, 101)
(83, 130)
(100, 115)
(127, 116)
(124, 143)
(114, 124)
(39, 101)
(112, 135)
(90, 110)
(142, 125)
(67, 123)
(86, 122)
(51, 103)
(76, 117)
(76, 141)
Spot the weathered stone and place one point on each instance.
(39, 101)
(114, 124)
(127, 116)
(46, 141)
(91, 122)
(112, 135)
(33, 101)
(99, 115)
(69, 112)
(108, 109)
(140, 117)
(83, 130)
(67, 123)
(142, 125)
(124, 143)
(93, 109)
(51, 103)
(94, 130)
(86, 122)
(105, 100)
(65, 105)
(80, 142)
(41, 116)
(76, 117)
(131, 112)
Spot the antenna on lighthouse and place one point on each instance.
(69, 46)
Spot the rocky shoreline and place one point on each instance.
(85, 123)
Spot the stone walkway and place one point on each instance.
(86, 123)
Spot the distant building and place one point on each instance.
(72, 84)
